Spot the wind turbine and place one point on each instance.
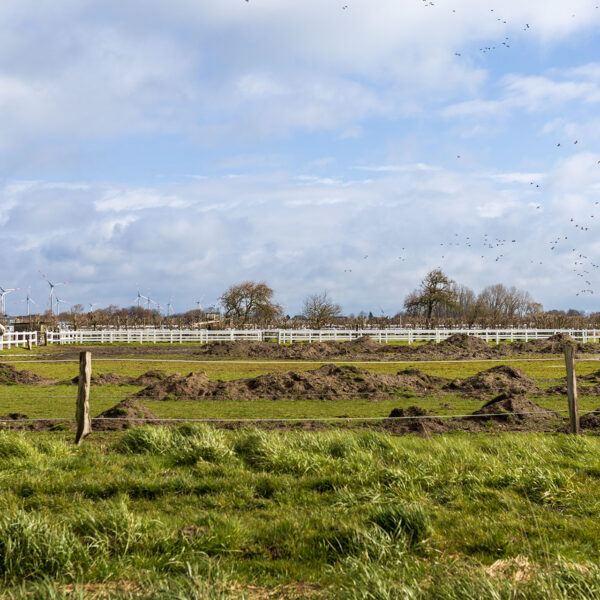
(169, 306)
(91, 305)
(52, 286)
(3, 293)
(198, 303)
(29, 300)
(139, 298)
(59, 301)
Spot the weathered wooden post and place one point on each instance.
(570, 348)
(82, 414)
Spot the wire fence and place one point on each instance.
(45, 393)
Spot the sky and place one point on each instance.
(347, 147)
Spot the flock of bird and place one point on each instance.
(494, 249)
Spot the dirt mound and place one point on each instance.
(9, 376)
(105, 379)
(150, 377)
(555, 344)
(298, 351)
(502, 378)
(464, 341)
(590, 420)
(12, 417)
(422, 379)
(177, 387)
(113, 379)
(513, 408)
(413, 419)
(328, 382)
(363, 343)
(130, 414)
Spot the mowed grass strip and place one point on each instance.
(228, 370)
(194, 512)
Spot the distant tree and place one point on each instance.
(318, 310)
(435, 290)
(250, 300)
(502, 304)
(77, 309)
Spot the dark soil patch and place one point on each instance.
(9, 375)
(113, 379)
(590, 420)
(502, 378)
(12, 417)
(414, 419)
(329, 382)
(459, 346)
(150, 377)
(129, 412)
(513, 408)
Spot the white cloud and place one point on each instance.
(299, 238)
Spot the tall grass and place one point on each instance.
(212, 513)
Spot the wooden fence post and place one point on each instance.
(570, 348)
(82, 414)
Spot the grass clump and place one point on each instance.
(407, 521)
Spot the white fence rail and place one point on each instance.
(15, 339)
(287, 336)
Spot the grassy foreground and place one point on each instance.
(196, 512)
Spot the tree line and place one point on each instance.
(438, 301)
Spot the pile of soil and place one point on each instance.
(457, 342)
(113, 379)
(553, 345)
(502, 378)
(130, 414)
(12, 417)
(150, 377)
(514, 408)
(9, 375)
(410, 420)
(329, 382)
(590, 420)
(298, 351)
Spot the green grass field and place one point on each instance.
(195, 512)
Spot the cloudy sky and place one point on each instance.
(344, 146)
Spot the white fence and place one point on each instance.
(287, 336)
(14, 339)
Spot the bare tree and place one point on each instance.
(501, 304)
(250, 300)
(318, 310)
(435, 290)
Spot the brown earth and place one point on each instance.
(328, 382)
(10, 375)
(459, 346)
(502, 378)
(511, 407)
(129, 412)
(590, 420)
(506, 412)
(113, 379)
(409, 420)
